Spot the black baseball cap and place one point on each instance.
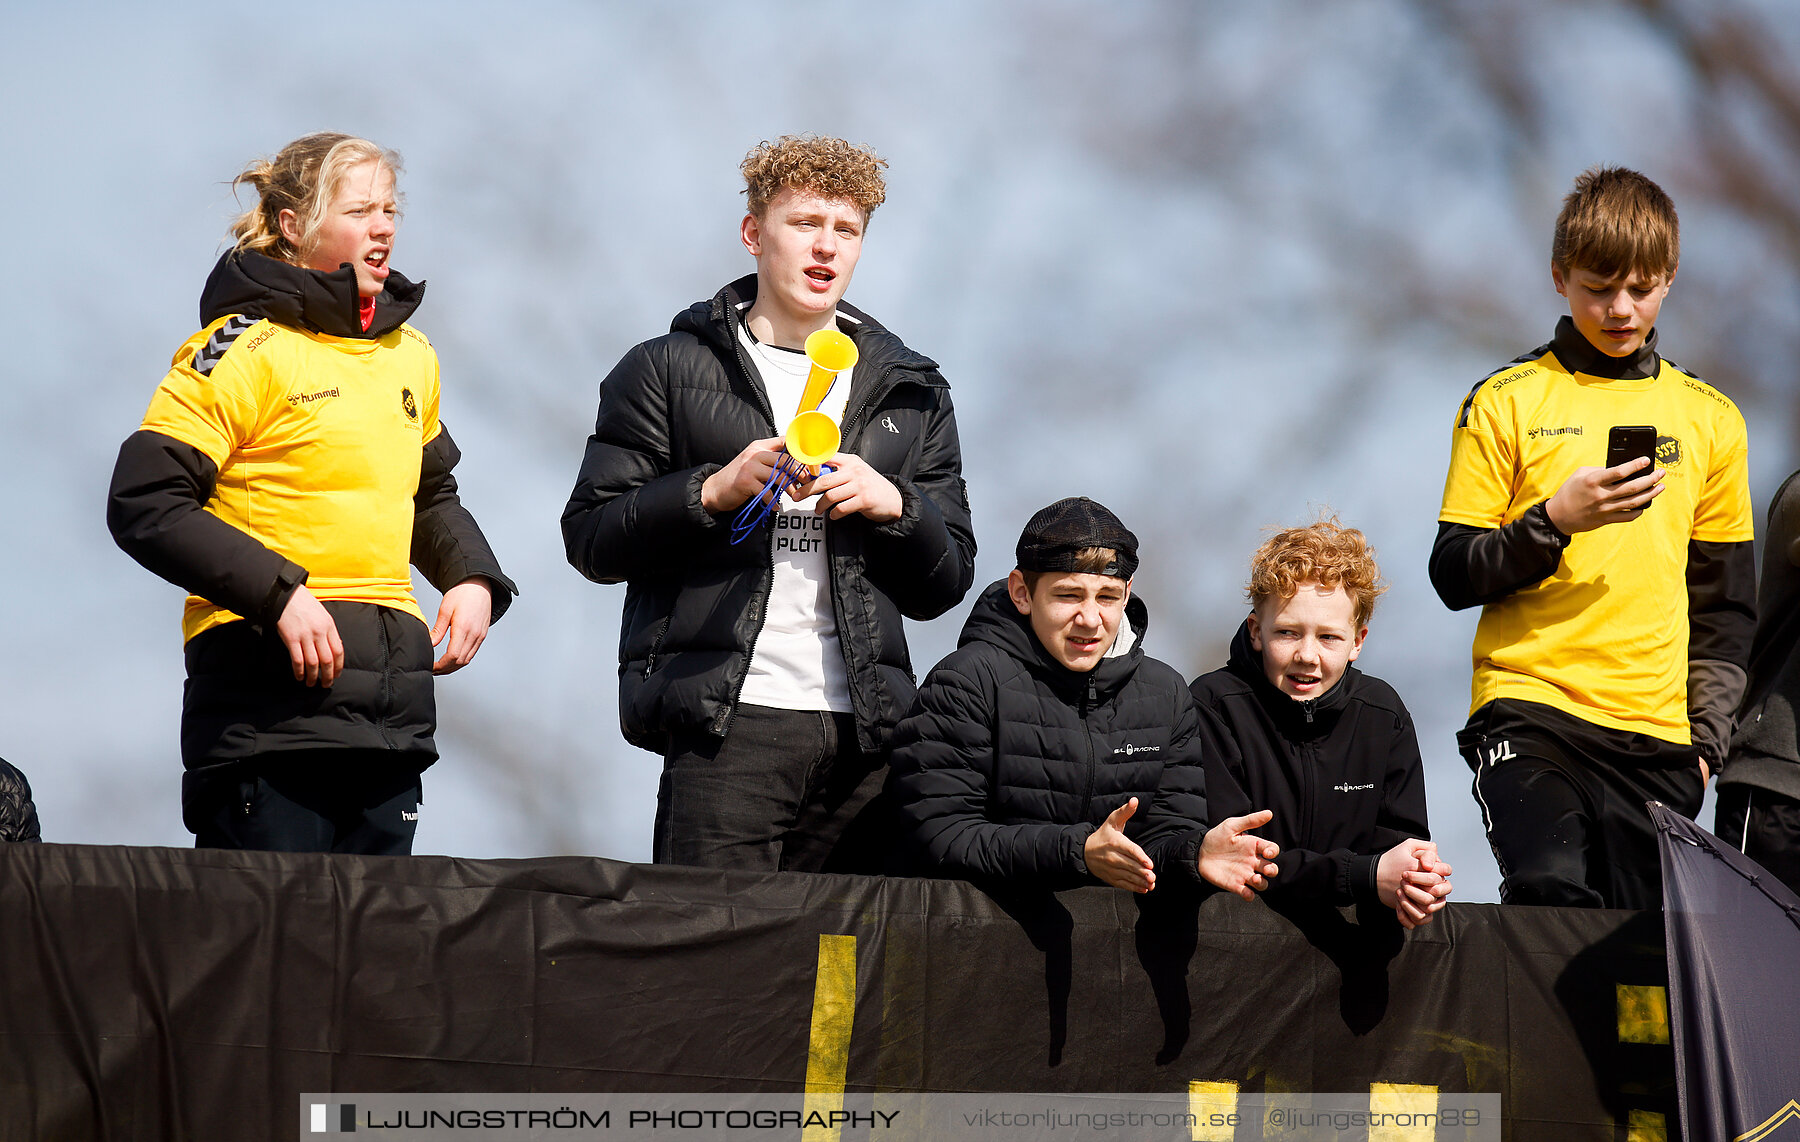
(1054, 536)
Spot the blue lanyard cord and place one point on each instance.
(762, 505)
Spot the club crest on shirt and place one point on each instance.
(411, 406)
(1668, 452)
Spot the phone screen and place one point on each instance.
(1626, 443)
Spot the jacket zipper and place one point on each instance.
(1307, 763)
(768, 584)
(662, 631)
(1088, 700)
(387, 677)
(864, 720)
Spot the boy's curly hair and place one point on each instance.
(1616, 222)
(827, 167)
(1324, 552)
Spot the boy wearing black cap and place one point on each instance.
(1049, 749)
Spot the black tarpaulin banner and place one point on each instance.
(177, 994)
(1734, 968)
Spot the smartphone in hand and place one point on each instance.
(1626, 443)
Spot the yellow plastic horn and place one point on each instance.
(831, 353)
(812, 439)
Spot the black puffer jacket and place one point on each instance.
(677, 409)
(241, 698)
(1341, 772)
(18, 816)
(1010, 760)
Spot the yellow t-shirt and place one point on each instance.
(1605, 638)
(318, 441)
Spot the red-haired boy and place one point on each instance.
(1290, 726)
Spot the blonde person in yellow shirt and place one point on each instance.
(290, 467)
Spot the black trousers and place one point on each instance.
(785, 789)
(323, 801)
(1563, 801)
(1764, 826)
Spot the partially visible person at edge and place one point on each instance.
(290, 465)
(1758, 811)
(1049, 751)
(18, 816)
(769, 673)
(1289, 725)
(1618, 603)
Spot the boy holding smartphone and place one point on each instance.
(1613, 640)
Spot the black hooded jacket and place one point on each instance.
(1766, 750)
(1010, 760)
(241, 698)
(1341, 773)
(677, 409)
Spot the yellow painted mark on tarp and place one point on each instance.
(1401, 1112)
(1210, 1103)
(828, 1049)
(1646, 1126)
(1643, 1013)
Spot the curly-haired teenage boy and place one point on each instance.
(1618, 603)
(1289, 725)
(770, 673)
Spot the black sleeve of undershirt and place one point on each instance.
(447, 544)
(155, 510)
(1471, 566)
(1721, 588)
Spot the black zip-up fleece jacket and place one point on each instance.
(1341, 772)
(1010, 760)
(677, 409)
(241, 698)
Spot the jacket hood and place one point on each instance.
(1295, 718)
(716, 322)
(996, 621)
(257, 285)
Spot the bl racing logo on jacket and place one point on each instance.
(1566, 430)
(1348, 788)
(298, 399)
(1668, 452)
(409, 404)
(1128, 749)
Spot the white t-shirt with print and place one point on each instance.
(798, 661)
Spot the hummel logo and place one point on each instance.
(412, 816)
(887, 422)
(1128, 749)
